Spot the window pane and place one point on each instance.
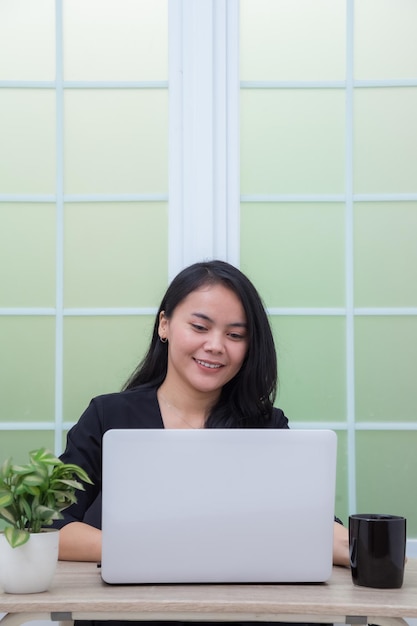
(116, 40)
(292, 141)
(100, 353)
(27, 255)
(385, 352)
(385, 254)
(27, 375)
(18, 444)
(313, 278)
(385, 474)
(385, 140)
(292, 39)
(385, 39)
(116, 141)
(115, 254)
(311, 365)
(27, 146)
(27, 40)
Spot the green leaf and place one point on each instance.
(45, 513)
(8, 516)
(69, 469)
(44, 456)
(16, 537)
(6, 498)
(74, 484)
(21, 470)
(23, 488)
(25, 506)
(33, 480)
(5, 468)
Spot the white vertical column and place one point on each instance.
(204, 133)
(349, 261)
(59, 272)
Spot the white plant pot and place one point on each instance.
(31, 567)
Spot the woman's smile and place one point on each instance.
(206, 364)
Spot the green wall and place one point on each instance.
(328, 216)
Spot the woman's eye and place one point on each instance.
(198, 327)
(236, 336)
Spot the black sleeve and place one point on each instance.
(279, 419)
(84, 448)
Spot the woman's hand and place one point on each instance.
(80, 542)
(341, 545)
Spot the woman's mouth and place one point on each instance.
(211, 366)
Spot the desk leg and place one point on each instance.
(387, 621)
(16, 619)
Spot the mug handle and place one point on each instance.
(353, 553)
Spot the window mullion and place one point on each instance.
(202, 157)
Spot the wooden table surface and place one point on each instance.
(79, 593)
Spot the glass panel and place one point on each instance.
(311, 366)
(292, 141)
(385, 140)
(18, 444)
(292, 39)
(385, 254)
(126, 147)
(385, 39)
(342, 504)
(284, 275)
(27, 40)
(27, 146)
(115, 40)
(100, 353)
(386, 466)
(125, 263)
(27, 255)
(385, 351)
(27, 374)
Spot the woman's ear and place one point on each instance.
(163, 326)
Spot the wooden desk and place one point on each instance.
(79, 593)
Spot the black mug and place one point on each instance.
(377, 550)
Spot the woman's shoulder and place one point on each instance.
(278, 418)
(133, 408)
(143, 392)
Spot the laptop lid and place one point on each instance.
(218, 505)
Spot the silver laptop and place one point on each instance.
(218, 506)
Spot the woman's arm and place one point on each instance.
(341, 545)
(79, 542)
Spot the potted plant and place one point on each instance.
(31, 497)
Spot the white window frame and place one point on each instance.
(204, 201)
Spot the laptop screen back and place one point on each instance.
(221, 505)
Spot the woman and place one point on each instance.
(211, 364)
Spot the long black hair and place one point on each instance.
(247, 399)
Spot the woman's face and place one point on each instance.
(207, 340)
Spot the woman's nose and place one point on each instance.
(214, 343)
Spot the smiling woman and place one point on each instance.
(212, 348)
(211, 363)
